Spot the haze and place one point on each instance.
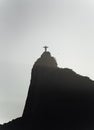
(67, 27)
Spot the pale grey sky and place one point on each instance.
(66, 26)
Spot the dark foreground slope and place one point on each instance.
(57, 99)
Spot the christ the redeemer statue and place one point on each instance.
(45, 47)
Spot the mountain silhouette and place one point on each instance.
(58, 98)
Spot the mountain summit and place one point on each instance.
(46, 60)
(57, 99)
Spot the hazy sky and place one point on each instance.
(66, 26)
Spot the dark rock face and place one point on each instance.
(60, 96)
(57, 99)
(45, 63)
(46, 60)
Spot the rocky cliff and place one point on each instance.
(58, 98)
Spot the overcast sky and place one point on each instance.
(66, 26)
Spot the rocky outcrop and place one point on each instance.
(58, 98)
